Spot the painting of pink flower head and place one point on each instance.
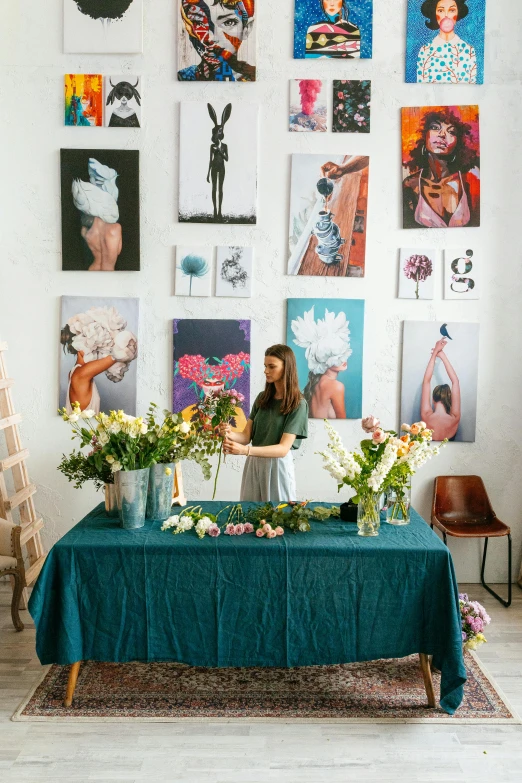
(416, 273)
(308, 109)
(211, 355)
(461, 278)
(351, 106)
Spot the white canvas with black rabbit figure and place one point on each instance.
(440, 376)
(461, 275)
(123, 97)
(194, 271)
(218, 162)
(99, 350)
(234, 271)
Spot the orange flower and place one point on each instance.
(405, 438)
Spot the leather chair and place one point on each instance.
(461, 508)
(12, 564)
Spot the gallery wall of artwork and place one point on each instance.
(246, 254)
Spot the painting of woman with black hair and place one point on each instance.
(122, 102)
(211, 35)
(339, 29)
(456, 54)
(440, 149)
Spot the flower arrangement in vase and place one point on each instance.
(383, 461)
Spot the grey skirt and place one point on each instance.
(269, 479)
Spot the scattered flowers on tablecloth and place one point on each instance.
(474, 619)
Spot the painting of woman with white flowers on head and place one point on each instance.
(100, 210)
(99, 344)
(327, 337)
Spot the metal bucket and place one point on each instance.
(161, 486)
(132, 486)
(111, 500)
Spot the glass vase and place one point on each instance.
(398, 502)
(369, 514)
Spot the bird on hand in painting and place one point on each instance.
(444, 332)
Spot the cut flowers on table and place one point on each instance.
(267, 520)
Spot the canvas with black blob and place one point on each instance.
(211, 355)
(218, 162)
(100, 210)
(103, 26)
(445, 41)
(234, 271)
(217, 41)
(339, 29)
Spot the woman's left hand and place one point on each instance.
(231, 447)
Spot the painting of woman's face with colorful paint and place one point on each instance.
(217, 41)
(445, 42)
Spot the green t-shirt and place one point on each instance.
(269, 424)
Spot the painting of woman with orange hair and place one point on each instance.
(217, 41)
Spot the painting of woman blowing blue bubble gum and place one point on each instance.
(341, 29)
(217, 41)
(445, 41)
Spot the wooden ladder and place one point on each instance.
(21, 502)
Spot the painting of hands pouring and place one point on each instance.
(328, 215)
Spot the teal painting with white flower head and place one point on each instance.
(327, 337)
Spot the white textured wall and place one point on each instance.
(31, 280)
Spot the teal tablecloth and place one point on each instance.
(324, 597)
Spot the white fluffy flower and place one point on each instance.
(116, 466)
(103, 438)
(327, 340)
(89, 414)
(184, 427)
(73, 418)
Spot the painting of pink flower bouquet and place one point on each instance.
(211, 356)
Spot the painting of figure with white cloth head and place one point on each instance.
(99, 340)
(100, 210)
(439, 378)
(327, 336)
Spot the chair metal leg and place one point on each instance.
(445, 538)
(510, 586)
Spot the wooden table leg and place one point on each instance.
(71, 685)
(428, 682)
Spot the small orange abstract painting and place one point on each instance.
(83, 99)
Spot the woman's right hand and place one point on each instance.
(224, 429)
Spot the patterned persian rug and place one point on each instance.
(385, 690)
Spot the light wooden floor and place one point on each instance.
(261, 753)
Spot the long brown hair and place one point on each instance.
(291, 395)
(442, 394)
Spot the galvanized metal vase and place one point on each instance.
(111, 500)
(132, 486)
(161, 486)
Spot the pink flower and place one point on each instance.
(279, 531)
(271, 534)
(370, 423)
(214, 531)
(340, 95)
(267, 527)
(418, 268)
(239, 529)
(249, 528)
(379, 436)
(230, 530)
(260, 533)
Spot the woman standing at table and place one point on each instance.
(276, 425)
